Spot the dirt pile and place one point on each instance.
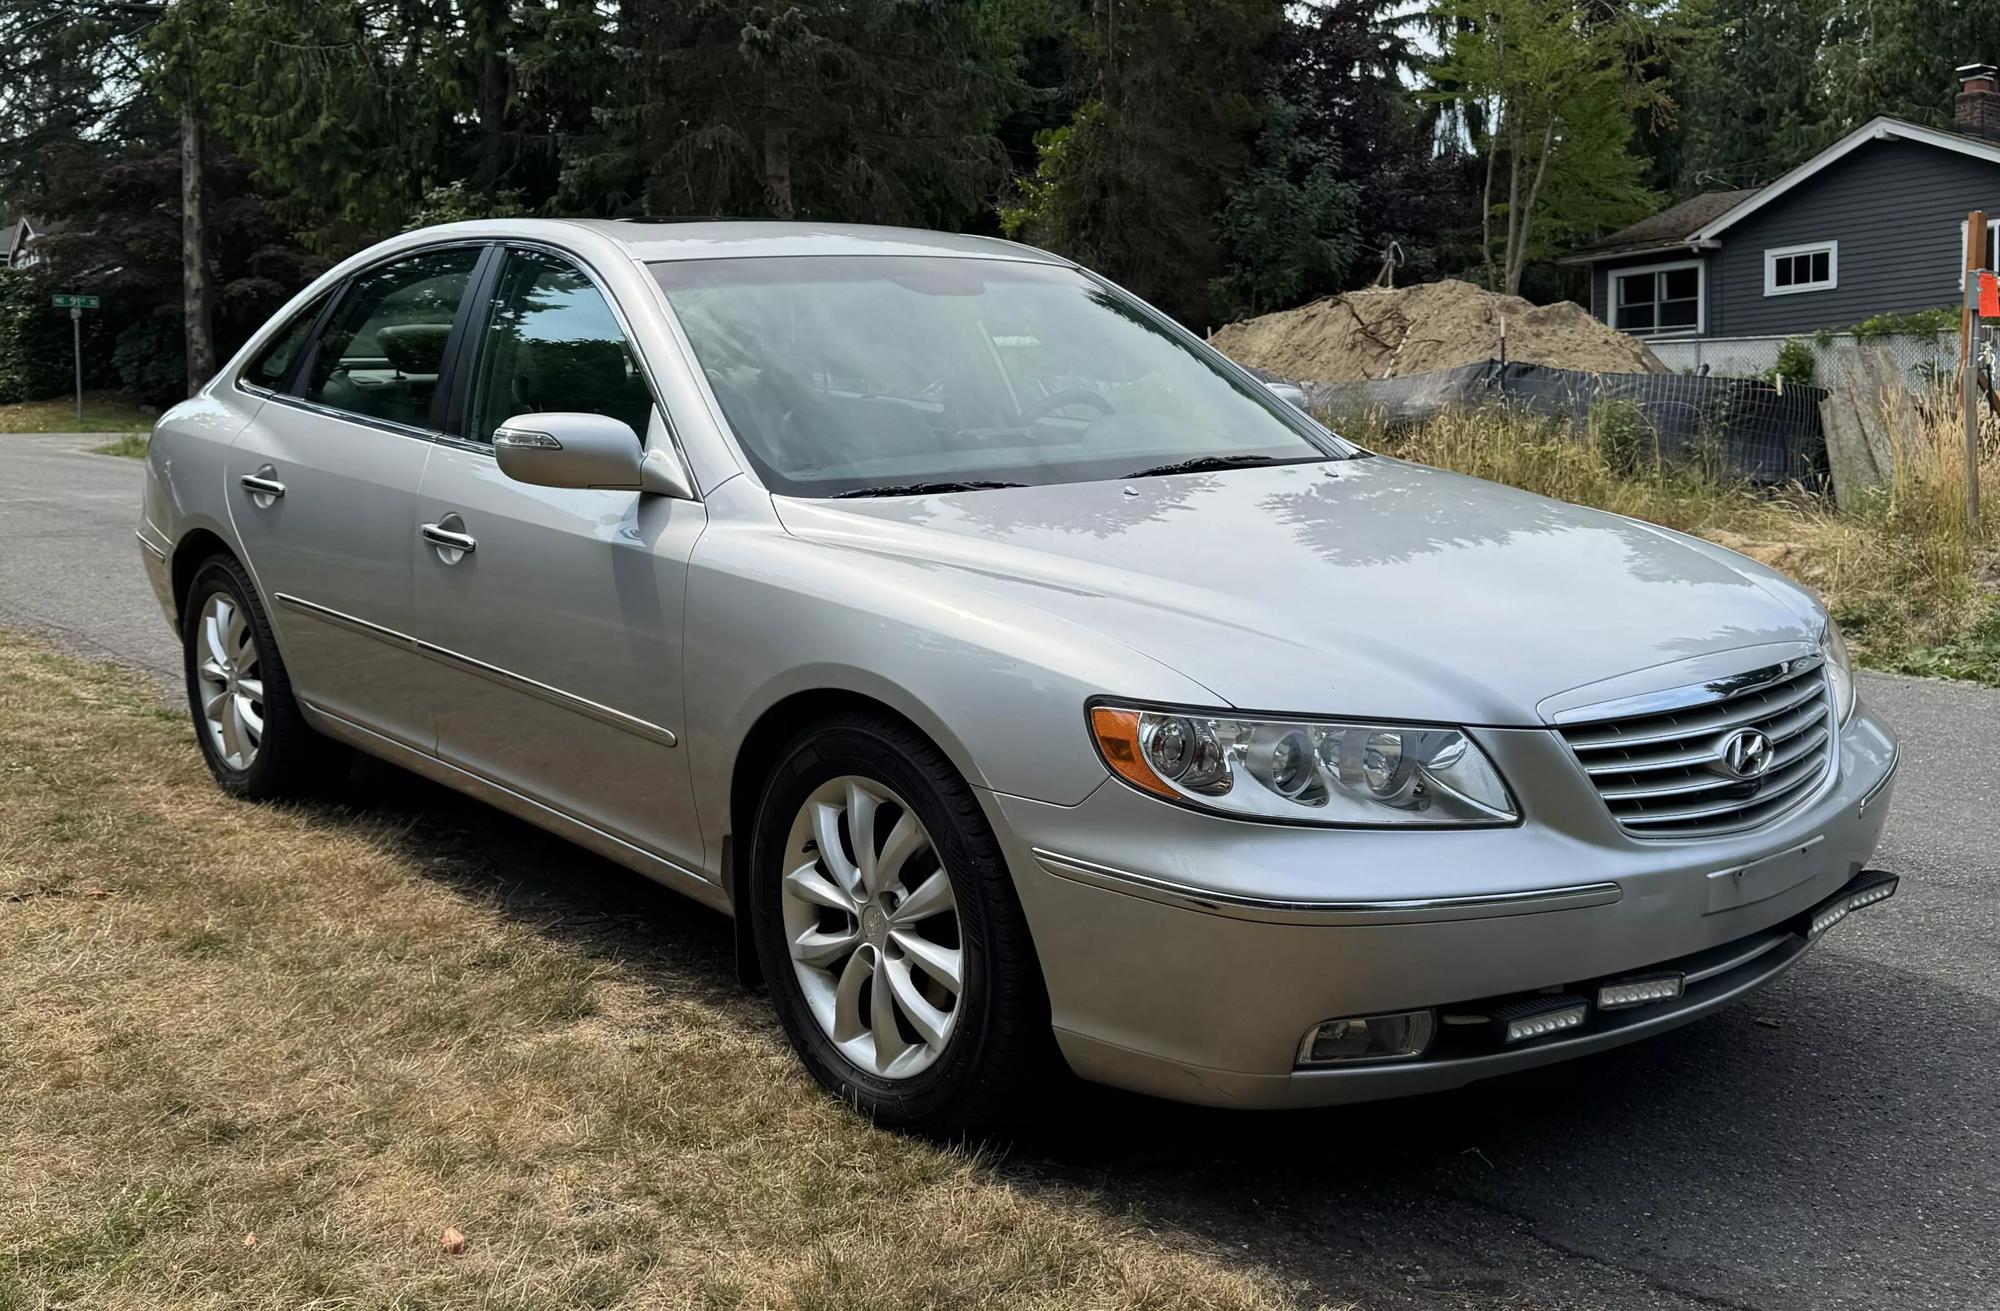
(1439, 325)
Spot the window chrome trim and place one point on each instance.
(493, 673)
(345, 416)
(1413, 910)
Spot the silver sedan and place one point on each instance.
(1031, 683)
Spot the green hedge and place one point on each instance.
(141, 355)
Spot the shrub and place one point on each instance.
(36, 354)
(1798, 363)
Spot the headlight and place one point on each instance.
(1303, 771)
(1834, 647)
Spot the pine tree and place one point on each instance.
(861, 110)
(1134, 183)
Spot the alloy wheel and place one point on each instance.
(872, 927)
(231, 681)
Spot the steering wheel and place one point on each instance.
(1049, 404)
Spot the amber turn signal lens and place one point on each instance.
(1117, 733)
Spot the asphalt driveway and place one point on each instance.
(1834, 1142)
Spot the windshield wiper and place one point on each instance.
(925, 489)
(1210, 463)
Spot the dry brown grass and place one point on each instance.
(220, 1020)
(1915, 586)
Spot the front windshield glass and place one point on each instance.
(863, 374)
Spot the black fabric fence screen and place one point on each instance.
(1755, 429)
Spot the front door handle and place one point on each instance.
(263, 491)
(452, 546)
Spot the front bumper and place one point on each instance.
(1192, 970)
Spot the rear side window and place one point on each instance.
(271, 365)
(381, 352)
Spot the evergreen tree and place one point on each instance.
(1135, 182)
(1289, 222)
(1351, 65)
(864, 110)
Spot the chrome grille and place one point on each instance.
(1661, 766)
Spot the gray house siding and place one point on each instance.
(1895, 207)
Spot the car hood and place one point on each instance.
(1358, 587)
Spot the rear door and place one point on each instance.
(322, 489)
(562, 617)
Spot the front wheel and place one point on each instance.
(888, 929)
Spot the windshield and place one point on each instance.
(862, 374)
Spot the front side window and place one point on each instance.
(850, 374)
(274, 362)
(1657, 302)
(1801, 268)
(382, 351)
(552, 343)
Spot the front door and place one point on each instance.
(322, 491)
(558, 610)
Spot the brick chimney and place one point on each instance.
(1978, 109)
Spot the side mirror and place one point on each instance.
(1288, 392)
(585, 450)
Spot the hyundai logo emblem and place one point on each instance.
(1746, 753)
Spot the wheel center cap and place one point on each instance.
(874, 924)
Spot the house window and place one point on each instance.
(1660, 300)
(1789, 270)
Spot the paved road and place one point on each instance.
(1833, 1143)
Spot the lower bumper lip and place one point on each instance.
(1708, 977)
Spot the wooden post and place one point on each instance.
(1968, 357)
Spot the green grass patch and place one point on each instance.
(132, 446)
(103, 411)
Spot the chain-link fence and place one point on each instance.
(1756, 430)
(1926, 360)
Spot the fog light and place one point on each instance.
(1400, 1037)
(1538, 1017)
(1880, 892)
(1638, 992)
(1876, 885)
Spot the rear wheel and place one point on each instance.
(246, 721)
(889, 932)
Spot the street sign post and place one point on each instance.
(76, 304)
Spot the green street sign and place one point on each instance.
(69, 300)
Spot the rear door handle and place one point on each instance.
(261, 488)
(440, 536)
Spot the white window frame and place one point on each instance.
(1776, 253)
(1700, 329)
(1992, 246)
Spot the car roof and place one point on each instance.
(679, 239)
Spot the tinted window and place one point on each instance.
(268, 369)
(383, 348)
(552, 343)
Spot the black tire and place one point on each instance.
(291, 760)
(1001, 1039)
